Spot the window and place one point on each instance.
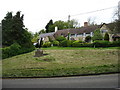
(79, 35)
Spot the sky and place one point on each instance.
(37, 13)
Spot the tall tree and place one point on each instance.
(106, 37)
(49, 27)
(14, 30)
(7, 23)
(97, 35)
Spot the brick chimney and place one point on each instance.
(85, 24)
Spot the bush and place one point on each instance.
(101, 43)
(60, 38)
(55, 43)
(46, 44)
(66, 43)
(115, 44)
(106, 37)
(76, 44)
(15, 49)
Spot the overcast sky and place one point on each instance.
(37, 13)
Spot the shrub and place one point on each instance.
(60, 38)
(55, 43)
(97, 35)
(46, 44)
(106, 37)
(66, 43)
(15, 49)
(76, 44)
(101, 43)
(115, 44)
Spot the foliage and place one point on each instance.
(49, 27)
(15, 49)
(115, 44)
(46, 44)
(55, 43)
(101, 43)
(42, 31)
(117, 25)
(60, 38)
(106, 37)
(88, 39)
(97, 35)
(65, 43)
(76, 44)
(13, 31)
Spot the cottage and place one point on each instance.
(78, 34)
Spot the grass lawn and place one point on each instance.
(62, 62)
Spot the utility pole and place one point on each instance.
(119, 10)
(68, 27)
(68, 18)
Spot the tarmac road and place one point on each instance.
(94, 81)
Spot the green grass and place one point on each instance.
(65, 48)
(60, 61)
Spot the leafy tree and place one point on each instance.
(7, 29)
(42, 31)
(106, 37)
(117, 26)
(97, 35)
(49, 27)
(14, 31)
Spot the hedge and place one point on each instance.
(66, 43)
(15, 49)
(47, 44)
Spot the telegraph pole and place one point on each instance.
(119, 10)
(68, 18)
(68, 27)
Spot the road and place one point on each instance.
(98, 81)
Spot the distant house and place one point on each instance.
(79, 34)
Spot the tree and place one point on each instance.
(106, 37)
(14, 31)
(7, 29)
(49, 27)
(42, 31)
(97, 35)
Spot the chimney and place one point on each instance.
(56, 28)
(85, 24)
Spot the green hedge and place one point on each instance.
(66, 43)
(47, 44)
(101, 43)
(55, 43)
(15, 49)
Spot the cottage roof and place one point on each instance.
(76, 31)
(65, 32)
(46, 34)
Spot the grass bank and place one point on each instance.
(62, 62)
